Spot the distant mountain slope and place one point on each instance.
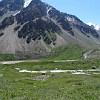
(38, 27)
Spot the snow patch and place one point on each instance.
(48, 9)
(86, 72)
(27, 2)
(54, 71)
(45, 71)
(97, 27)
(70, 19)
(17, 69)
(10, 62)
(16, 13)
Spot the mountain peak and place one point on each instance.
(27, 3)
(40, 27)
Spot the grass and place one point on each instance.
(71, 51)
(6, 57)
(51, 65)
(61, 86)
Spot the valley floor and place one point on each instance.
(72, 73)
(77, 83)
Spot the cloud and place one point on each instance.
(97, 27)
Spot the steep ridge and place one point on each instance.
(10, 7)
(39, 27)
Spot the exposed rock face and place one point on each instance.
(10, 5)
(39, 27)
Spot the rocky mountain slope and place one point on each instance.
(95, 26)
(38, 27)
(9, 7)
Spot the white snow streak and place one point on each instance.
(48, 11)
(16, 13)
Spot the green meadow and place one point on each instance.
(15, 85)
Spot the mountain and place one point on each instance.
(36, 27)
(27, 2)
(9, 7)
(95, 26)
